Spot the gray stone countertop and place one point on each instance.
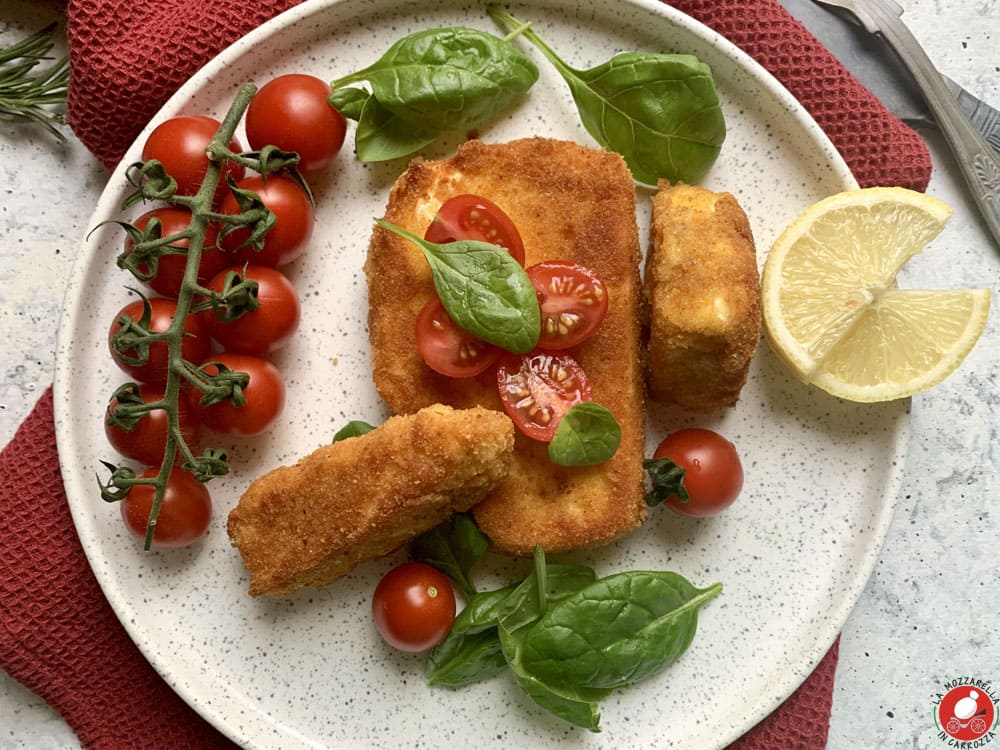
(930, 611)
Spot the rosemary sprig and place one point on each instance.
(27, 94)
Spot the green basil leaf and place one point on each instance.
(587, 434)
(660, 112)
(464, 658)
(354, 428)
(617, 631)
(452, 547)
(448, 79)
(484, 290)
(382, 135)
(666, 479)
(348, 101)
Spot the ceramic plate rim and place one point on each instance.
(63, 378)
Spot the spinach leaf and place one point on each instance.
(523, 609)
(587, 434)
(484, 290)
(463, 658)
(660, 112)
(452, 547)
(617, 631)
(482, 611)
(576, 705)
(382, 135)
(448, 79)
(348, 101)
(354, 428)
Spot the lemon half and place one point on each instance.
(833, 313)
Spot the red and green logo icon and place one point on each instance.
(966, 712)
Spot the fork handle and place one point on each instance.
(979, 163)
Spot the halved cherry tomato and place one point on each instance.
(448, 349)
(265, 329)
(573, 300)
(194, 346)
(179, 144)
(170, 268)
(264, 396)
(292, 228)
(472, 217)
(413, 606)
(147, 441)
(537, 389)
(292, 113)
(713, 474)
(185, 512)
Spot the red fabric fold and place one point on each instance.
(58, 635)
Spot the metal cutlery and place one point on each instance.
(875, 64)
(980, 165)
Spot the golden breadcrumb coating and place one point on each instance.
(702, 293)
(361, 498)
(569, 202)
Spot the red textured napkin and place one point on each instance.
(58, 635)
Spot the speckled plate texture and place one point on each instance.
(793, 553)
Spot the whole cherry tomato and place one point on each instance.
(147, 441)
(265, 329)
(537, 389)
(472, 217)
(448, 349)
(195, 344)
(179, 144)
(292, 228)
(170, 268)
(264, 396)
(573, 301)
(413, 607)
(711, 476)
(185, 512)
(292, 113)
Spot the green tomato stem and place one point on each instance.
(201, 215)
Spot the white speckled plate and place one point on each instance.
(794, 553)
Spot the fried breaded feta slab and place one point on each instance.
(702, 294)
(569, 202)
(361, 498)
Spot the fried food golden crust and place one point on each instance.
(361, 498)
(702, 293)
(568, 202)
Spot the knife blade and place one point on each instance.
(873, 63)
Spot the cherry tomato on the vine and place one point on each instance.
(537, 389)
(472, 217)
(292, 113)
(195, 344)
(292, 228)
(448, 349)
(713, 473)
(413, 607)
(170, 268)
(264, 396)
(573, 301)
(265, 329)
(185, 512)
(179, 144)
(147, 441)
